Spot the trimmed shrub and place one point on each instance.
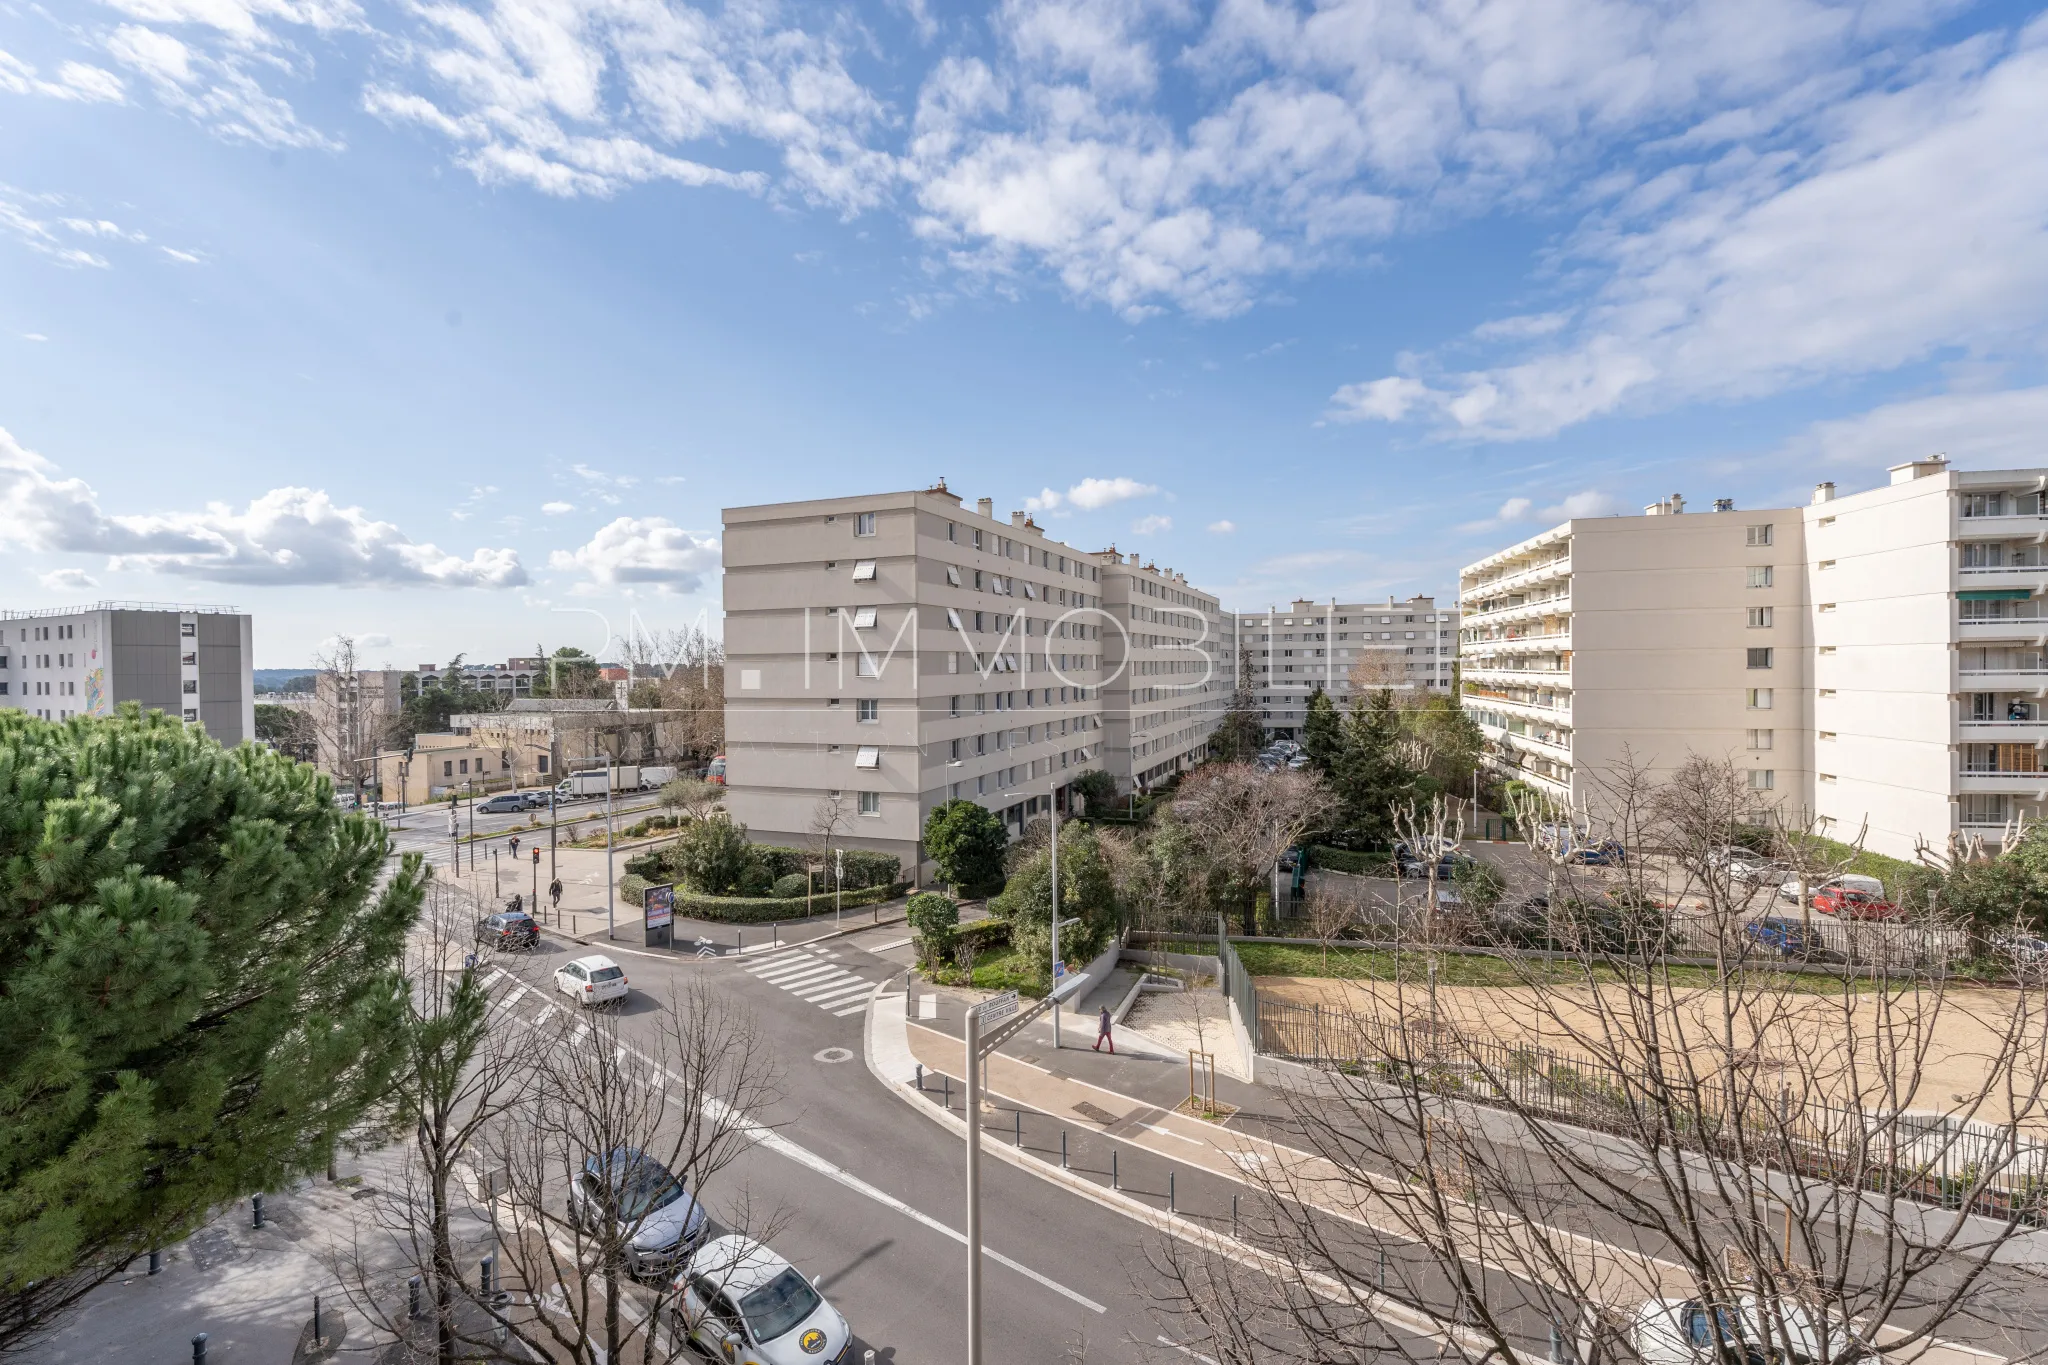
(651, 865)
(933, 918)
(983, 936)
(632, 887)
(790, 885)
(765, 909)
(1350, 860)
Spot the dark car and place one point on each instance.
(1784, 935)
(1598, 853)
(508, 929)
(652, 1214)
(1410, 863)
(503, 803)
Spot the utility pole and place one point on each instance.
(838, 881)
(611, 895)
(454, 838)
(1055, 907)
(974, 1180)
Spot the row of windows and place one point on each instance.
(65, 632)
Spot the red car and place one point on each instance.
(1852, 904)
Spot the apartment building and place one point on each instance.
(353, 714)
(888, 652)
(513, 678)
(1411, 644)
(193, 662)
(1170, 652)
(1875, 660)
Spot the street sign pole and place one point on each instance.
(974, 1186)
(1055, 905)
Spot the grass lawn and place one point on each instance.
(1004, 971)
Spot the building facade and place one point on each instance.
(889, 652)
(1169, 650)
(513, 678)
(1340, 647)
(192, 662)
(1874, 661)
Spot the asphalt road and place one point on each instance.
(424, 829)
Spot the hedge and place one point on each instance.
(1349, 860)
(765, 909)
(770, 863)
(983, 935)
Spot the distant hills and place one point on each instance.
(274, 679)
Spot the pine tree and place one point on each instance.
(200, 990)
(1241, 733)
(1371, 778)
(1322, 733)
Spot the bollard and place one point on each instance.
(1112, 1169)
(920, 1078)
(412, 1297)
(949, 1090)
(1233, 1217)
(1383, 1270)
(490, 1263)
(256, 1210)
(739, 940)
(775, 935)
(156, 1261)
(1171, 1207)
(316, 1319)
(1063, 1149)
(1020, 1127)
(199, 1349)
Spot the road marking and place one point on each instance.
(1186, 1351)
(892, 943)
(840, 994)
(827, 985)
(782, 1146)
(1168, 1132)
(841, 1014)
(927, 1007)
(835, 984)
(784, 974)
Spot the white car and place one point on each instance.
(1685, 1331)
(592, 980)
(741, 1302)
(1848, 881)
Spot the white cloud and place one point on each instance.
(556, 509)
(1999, 429)
(1222, 528)
(374, 640)
(75, 81)
(286, 536)
(182, 257)
(33, 336)
(1589, 503)
(1152, 525)
(1089, 495)
(1515, 509)
(67, 580)
(1758, 269)
(636, 550)
(20, 218)
(1585, 503)
(217, 88)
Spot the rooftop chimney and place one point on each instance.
(986, 506)
(1823, 492)
(1016, 518)
(1919, 469)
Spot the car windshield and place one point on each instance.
(777, 1306)
(646, 1187)
(605, 974)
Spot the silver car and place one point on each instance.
(742, 1302)
(656, 1218)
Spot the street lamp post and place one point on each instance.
(1055, 906)
(838, 881)
(611, 895)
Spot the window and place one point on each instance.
(868, 756)
(1760, 658)
(863, 618)
(977, 580)
(448, 768)
(1759, 739)
(1825, 735)
(953, 620)
(1827, 606)
(832, 701)
(867, 666)
(1759, 618)
(867, 709)
(977, 538)
(188, 629)
(190, 661)
(462, 765)
(1986, 808)
(864, 523)
(543, 762)
(870, 803)
(1825, 521)
(1763, 779)
(1759, 535)
(953, 574)
(191, 713)
(191, 686)
(956, 705)
(1759, 698)
(1825, 564)
(864, 571)
(952, 532)
(1759, 575)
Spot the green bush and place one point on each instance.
(791, 885)
(764, 909)
(1364, 864)
(983, 935)
(633, 887)
(933, 918)
(651, 865)
(711, 856)
(755, 879)
(967, 842)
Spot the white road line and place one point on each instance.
(841, 1014)
(1168, 1132)
(542, 1016)
(1186, 1351)
(782, 1146)
(801, 962)
(831, 985)
(826, 1000)
(796, 979)
(892, 943)
(771, 956)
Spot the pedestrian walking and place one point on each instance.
(555, 893)
(1102, 1033)
(515, 846)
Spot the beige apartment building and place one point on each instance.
(1171, 651)
(888, 652)
(1873, 660)
(1410, 644)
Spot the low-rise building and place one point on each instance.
(189, 661)
(516, 677)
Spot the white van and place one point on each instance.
(1684, 1331)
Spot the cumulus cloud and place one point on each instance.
(556, 509)
(1589, 502)
(67, 580)
(1222, 528)
(374, 640)
(1090, 494)
(286, 536)
(1152, 525)
(1756, 269)
(643, 550)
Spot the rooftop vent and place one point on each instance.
(1919, 469)
(1823, 492)
(1724, 504)
(1670, 507)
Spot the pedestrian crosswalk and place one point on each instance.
(815, 977)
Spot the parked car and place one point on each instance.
(507, 929)
(2022, 947)
(1854, 881)
(592, 980)
(1850, 903)
(1783, 935)
(502, 804)
(1597, 852)
(652, 1212)
(1747, 866)
(1411, 862)
(538, 800)
(1686, 1331)
(742, 1301)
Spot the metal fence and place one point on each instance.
(1237, 984)
(1931, 1159)
(1860, 942)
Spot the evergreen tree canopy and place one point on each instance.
(1241, 733)
(201, 989)
(1371, 777)
(967, 841)
(1322, 732)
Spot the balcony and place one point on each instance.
(1525, 610)
(1510, 644)
(2031, 785)
(2033, 628)
(1535, 677)
(1548, 570)
(1975, 576)
(1554, 746)
(2026, 526)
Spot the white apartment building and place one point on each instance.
(1411, 644)
(888, 652)
(1875, 660)
(193, 662)
(1170, 651)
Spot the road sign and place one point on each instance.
(997, 1007)
(1059, 969)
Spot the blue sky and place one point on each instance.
(443, 325)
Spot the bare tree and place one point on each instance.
(1330, 915)
(349, 713)
(462, 1076)
(828, 825)
(681, 1103)
(1246, 819)
(1784, 1157)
